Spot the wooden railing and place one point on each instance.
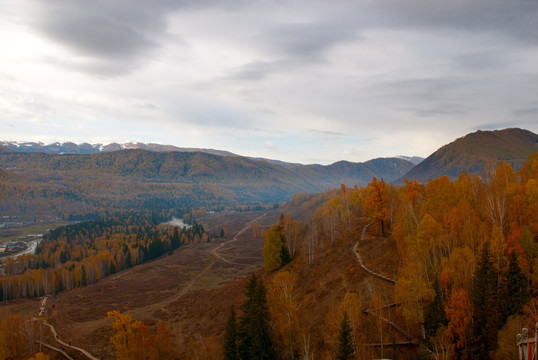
(527, 347)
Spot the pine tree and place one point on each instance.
(485, 308)
(345, 342)
(255, 337)
(435, 316)
(231, 351)
(175, 239)
(83, 276)
(515, 292)
(285, 257)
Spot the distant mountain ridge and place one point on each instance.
(473, 151)
(136, 178)
(414, 159)
(166, 178)
(87, 148)
(202, 167)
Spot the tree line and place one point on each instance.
(81, 254)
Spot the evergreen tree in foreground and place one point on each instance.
(345, 342)
(514, 291)
(231, 351)
(255, 338)
(435, 316)
(485, 307)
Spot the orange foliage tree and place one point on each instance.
(376, 204)
(459, 312)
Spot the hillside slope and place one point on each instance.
(472, 152)
(134, 178)
(195, 307)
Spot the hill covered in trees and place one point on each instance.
(476, 153)
(74, 184)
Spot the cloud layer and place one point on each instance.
(315, 81)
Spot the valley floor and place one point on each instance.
(166, 290)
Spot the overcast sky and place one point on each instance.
(302, 81)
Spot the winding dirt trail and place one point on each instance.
(235, 238)
(361, 263)
(59, 351)
(396, 327)
(187, 287)
(40, 316)
(67, 345)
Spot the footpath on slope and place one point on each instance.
(361, 263)
(67, 345)
(64, 344)
(235, 238)
(50, 347)
(185, 289)
(385, 278)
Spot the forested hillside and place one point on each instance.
(448, 260)
(74, 185)
(477, 153)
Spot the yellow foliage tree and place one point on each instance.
(40, 356)
(133, 340)
(17, 337)
(286, 307)
(414, 292)
(272, 248)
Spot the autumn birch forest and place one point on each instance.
(452, 274)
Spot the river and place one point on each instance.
(177, 222)
(31, 247)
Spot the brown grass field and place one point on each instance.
(192, 290)
(176, 289)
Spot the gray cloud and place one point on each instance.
(329, 72)
(257, 70)
(526, 111)
(308, 40)
(515, 19)
(480, 60)
(440, 93)
(97, 36)
(326, 134)
(112, 36)
(443, 109)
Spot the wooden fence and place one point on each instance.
(527, 347)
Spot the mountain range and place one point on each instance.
(154, 176)
(135, 178)
(87, 148)
(204, 167)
